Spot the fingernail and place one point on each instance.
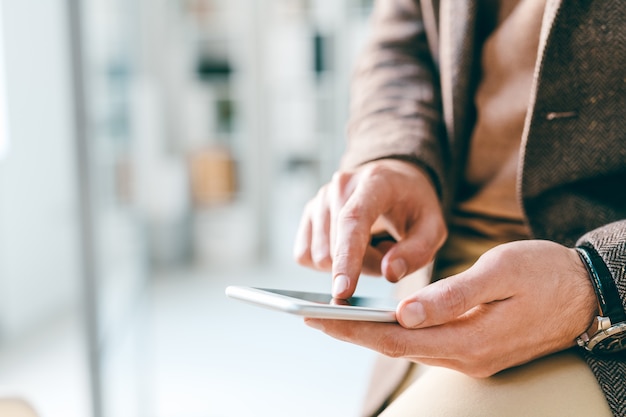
(398, 267)
(413, 314)
(340, 285)
(320, 258)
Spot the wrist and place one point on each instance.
(607, 332)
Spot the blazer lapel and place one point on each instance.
(550, 13)
(552, 7)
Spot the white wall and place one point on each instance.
(39, 264)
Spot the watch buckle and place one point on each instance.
(598, 324)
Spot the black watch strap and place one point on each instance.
(609, 300)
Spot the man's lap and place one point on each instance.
(559, 385)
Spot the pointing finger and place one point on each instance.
(353, 233)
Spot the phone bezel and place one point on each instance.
(276, 300)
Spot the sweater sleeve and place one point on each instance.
(395, 99)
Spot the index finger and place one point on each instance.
(369, 200)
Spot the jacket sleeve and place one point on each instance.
(395, 99)
(610, 242)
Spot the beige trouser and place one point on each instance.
(559, 385)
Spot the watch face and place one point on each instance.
(610, 340)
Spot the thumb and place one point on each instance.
(445, 300)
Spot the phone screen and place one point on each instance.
(327, 299)
(311, 304)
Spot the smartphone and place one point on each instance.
(317, 305)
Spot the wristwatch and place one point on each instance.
(607, 333)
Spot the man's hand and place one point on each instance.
(520, 301)
(336, 227)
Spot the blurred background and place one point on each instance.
(153, 152)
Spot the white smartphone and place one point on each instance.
(317, 305)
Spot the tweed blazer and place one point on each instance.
(412, 98)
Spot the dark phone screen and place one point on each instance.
(327, 299)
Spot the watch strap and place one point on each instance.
(609, 301)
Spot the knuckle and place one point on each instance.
(341, 178)
(353, 224)
(353, 212)
(392, 348)
(302, 258)
(340, 187)
(375, 170)
(323, 262)
(341, 259)
(422, 252)
(452, 297)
